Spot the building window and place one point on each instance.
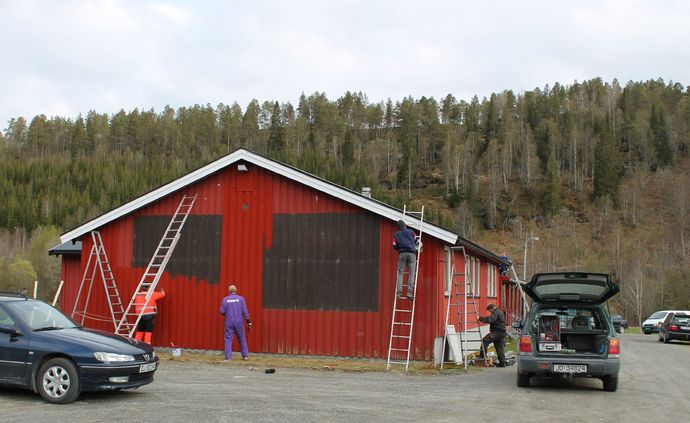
(491, 280)
(475, 277)
(449, 272)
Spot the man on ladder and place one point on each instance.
(406, 246)
(148, 314)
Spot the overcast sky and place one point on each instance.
(68, 57)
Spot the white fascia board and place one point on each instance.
(350, 197)
(289, 172)
(152, 196)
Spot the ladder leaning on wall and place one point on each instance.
(402, 321)
(98, 265)
(461, 299)
(130, 318)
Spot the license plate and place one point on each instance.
(570, 368)
(685, 327)
(147, 367)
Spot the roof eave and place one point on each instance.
(292, 173)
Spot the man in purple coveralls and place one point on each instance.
(235, 311)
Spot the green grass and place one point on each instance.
(632, 329)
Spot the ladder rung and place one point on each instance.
(399, 349)
(402, 323)
(400, 336)
(397, 362)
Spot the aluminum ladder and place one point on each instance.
(98, 265)
(525, 303)
(130, 318)
(462, 300)
(402, 321)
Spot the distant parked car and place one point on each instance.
(619, 323)
(651, 325)
(568, 332)
(676, 326)
(43, 350)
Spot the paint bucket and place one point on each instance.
(176, 352)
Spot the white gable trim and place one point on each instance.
(289, 172)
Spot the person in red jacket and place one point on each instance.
(148, 314)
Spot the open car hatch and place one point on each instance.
(593, 288)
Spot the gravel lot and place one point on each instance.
(654, 385)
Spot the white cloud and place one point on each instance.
(65, 58)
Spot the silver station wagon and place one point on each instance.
(567, 332)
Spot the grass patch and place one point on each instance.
(632, 329)
(268, 361)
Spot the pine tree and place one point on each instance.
(657, 126)
(551, 197)
(608, 167)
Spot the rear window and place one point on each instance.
(658, 315)
(573, 317)
(681, 320)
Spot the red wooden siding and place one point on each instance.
(188, 316)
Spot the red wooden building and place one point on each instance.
(314, 261)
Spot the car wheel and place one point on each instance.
(58, 381)
(523, 380)
(610, 383)
(621, 329)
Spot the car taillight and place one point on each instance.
(673, 327)
(614, 347)
(525, 344)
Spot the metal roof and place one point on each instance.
(287, 171)
(66, 248)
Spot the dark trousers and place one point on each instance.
(146, 323)
(498, 339)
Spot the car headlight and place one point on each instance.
(112, 357)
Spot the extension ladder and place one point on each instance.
(462, 300)
(525, 303)
(130, 318)
(402, 321)
(98, 265)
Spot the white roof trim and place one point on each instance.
(281, 169)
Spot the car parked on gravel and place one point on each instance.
(567, 332)
(676, 326)
(43, 350)
(619, 323)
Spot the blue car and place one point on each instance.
(43, 350)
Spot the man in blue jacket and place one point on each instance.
(406, 246)
(234, 308)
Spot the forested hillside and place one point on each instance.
(597, 170)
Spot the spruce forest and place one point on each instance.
(597, 170)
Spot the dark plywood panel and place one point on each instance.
(197, 253)
(327, 261)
